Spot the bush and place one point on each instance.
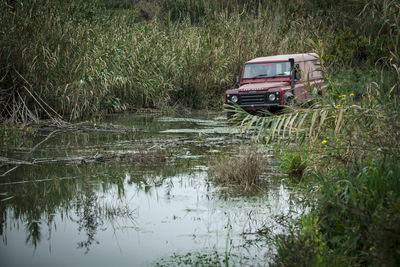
(294, 164)
(304, 245)
(360, 212)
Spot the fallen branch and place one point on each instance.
(10, 170)
(140, 157)
(44, 140)
(8, 161)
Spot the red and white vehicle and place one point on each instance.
(273, 82)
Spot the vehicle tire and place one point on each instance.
(290, 101)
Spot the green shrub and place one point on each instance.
(360, 212)
(304, 246)
(294, 165)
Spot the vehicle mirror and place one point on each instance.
(297, 75)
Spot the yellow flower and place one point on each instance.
(343, 98)
(338, 106)
(324, 142)
(351, 94)
(371, 248)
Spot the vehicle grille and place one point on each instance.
(252, 99)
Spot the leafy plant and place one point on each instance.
(294, 165)
(304, 245)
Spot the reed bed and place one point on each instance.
(78, 59)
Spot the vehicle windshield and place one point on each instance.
(272, 69)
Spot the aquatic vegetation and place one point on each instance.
(242, 171)
(196, 259)
(304, 244)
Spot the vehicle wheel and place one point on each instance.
(290, 102)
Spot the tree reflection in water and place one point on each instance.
(34, 204)
(93, 216)
(34, 196)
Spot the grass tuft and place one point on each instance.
(242, 171)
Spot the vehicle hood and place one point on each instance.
(261, 86)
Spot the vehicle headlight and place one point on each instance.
(234, 99)
(271, 97)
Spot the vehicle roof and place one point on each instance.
(297, 58)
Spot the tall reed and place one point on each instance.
(83, 60)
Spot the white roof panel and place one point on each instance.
(297, 58)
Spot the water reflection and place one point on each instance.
(64, 190)
(128, 211)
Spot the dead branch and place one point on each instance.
(9, 161)
(10, 170)
(44, 140)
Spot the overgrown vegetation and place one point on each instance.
(350, 150)
(294, 165)
(81, 59)
(349, 144)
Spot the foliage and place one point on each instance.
(304, 245)
(294, 165)
(359, 213)
(352, 177)
(353, 174)
(354, 219)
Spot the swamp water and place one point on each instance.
(135, 197)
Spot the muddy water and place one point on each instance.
(73, 203)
